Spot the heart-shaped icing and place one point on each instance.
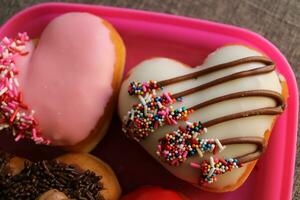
(236, 94)
(67, 76)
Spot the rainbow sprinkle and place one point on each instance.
(145, 117)
(155, 111)
(152, 112)
(183, 143)
(210, 169)
(14, 112)
(136, 88)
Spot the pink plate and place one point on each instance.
(148, 35)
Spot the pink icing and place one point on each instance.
(67, 78)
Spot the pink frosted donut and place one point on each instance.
(69, 78)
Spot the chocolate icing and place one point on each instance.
(215, 68)
(277, 97)
(258, 141)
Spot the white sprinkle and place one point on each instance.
(149, 97)
(211, 171)
(5, 54)
(14, 132)
(32, 112)
(10, 87)
(16, 82)
(205, 130)
(20, 48)
(13, 44)
(188, 123)
(221, 147)
(11, 74)
(3, 126)
(145, 109)
(195, 135)
(142, 100)
(159, 104)
(132, 114)
(153, 92)
(212, 162)
(3, 91)
(3, 73)
(199, 152)
(146, 96)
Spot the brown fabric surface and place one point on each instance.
(277, 20)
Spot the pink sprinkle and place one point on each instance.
(167, 110)
(168, 120)
(159, 147)
(28, 117)
(11, 105)
(185, 154)
(34, 134)
(195, 165)
(6, 41)
(14, 90)
(19, 136)
(174, 162)
(144, 88)
(6, 109)
(168, 97)
(162, 112)
(173, 121)
(166, 153)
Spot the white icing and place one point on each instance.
(163, 68)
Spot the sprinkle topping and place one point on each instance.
(40, 177)
(136, 88)
(152, 112)
(183, 143)
(14, 113)
(210, 169)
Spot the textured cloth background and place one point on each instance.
(277, 20)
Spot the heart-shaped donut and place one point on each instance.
(69, 76)
(207, 125)
(70, 176)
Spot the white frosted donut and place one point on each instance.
(236, 94)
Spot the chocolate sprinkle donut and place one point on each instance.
(39, 177)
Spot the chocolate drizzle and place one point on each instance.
(278, 109)
(222, 66)
(268, 67)
(258, 141)
(252, 93)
